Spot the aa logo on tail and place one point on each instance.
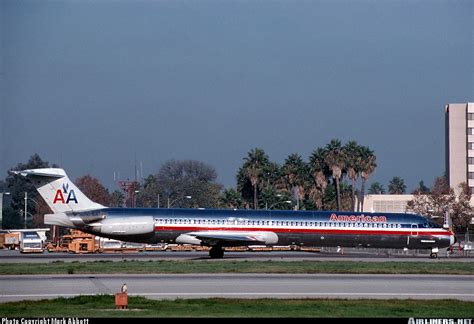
(59, 197)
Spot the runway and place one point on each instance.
(171, 286)
(16, 257)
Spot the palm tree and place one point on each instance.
(396, 186)
(271, 176)
(244, 187)
(336, 160)
(376, 189)
(319, 172)
(231, 198)
(367, 167)
(294, 172)
(353, 163)
(253, 167)
(421, 189)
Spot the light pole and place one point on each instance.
(170, 204)
(297, 196)
(26, 205)
(135, 193)
(1, 207)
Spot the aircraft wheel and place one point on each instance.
(434, 255)
(216, 252)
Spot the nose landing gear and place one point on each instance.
(434, 253)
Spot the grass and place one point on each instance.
(137, 267)
(103, 306)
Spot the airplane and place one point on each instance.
(220, 228)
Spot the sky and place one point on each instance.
(102, 86)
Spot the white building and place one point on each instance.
(386, 203)
(459, 120)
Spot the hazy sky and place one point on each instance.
(91, 85)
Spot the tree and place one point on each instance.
(421, 188)
(253, 167)
(396, 186)
(93, 189)
(244, 188)
(149, 193)
(231, 198)
(435, 203)
(441, 200)
(461, 212)
(17, 186)
(353, 163)
(178, 179)
(117, 199)
(320, 174)
(271, 176)
(336, 161)
(330, 201)
(367, 167)
(376, 189)
(295, 173)
(271, 198)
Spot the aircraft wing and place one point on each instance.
(228, 238)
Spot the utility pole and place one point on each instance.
(26, 204)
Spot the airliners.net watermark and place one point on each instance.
(440, 321)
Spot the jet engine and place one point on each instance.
(125, 226)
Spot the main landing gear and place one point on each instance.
(216, 252)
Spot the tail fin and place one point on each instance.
(58, 191)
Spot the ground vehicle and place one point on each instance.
(31, 242)
(10, 241)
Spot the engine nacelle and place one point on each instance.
(119, 226)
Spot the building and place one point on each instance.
(459, 119)
(386, 203)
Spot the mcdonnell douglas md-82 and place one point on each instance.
(220, 228)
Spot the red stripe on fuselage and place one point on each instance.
(408, 231)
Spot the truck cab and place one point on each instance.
(31, 242)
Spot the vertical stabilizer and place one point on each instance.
(58, 191)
